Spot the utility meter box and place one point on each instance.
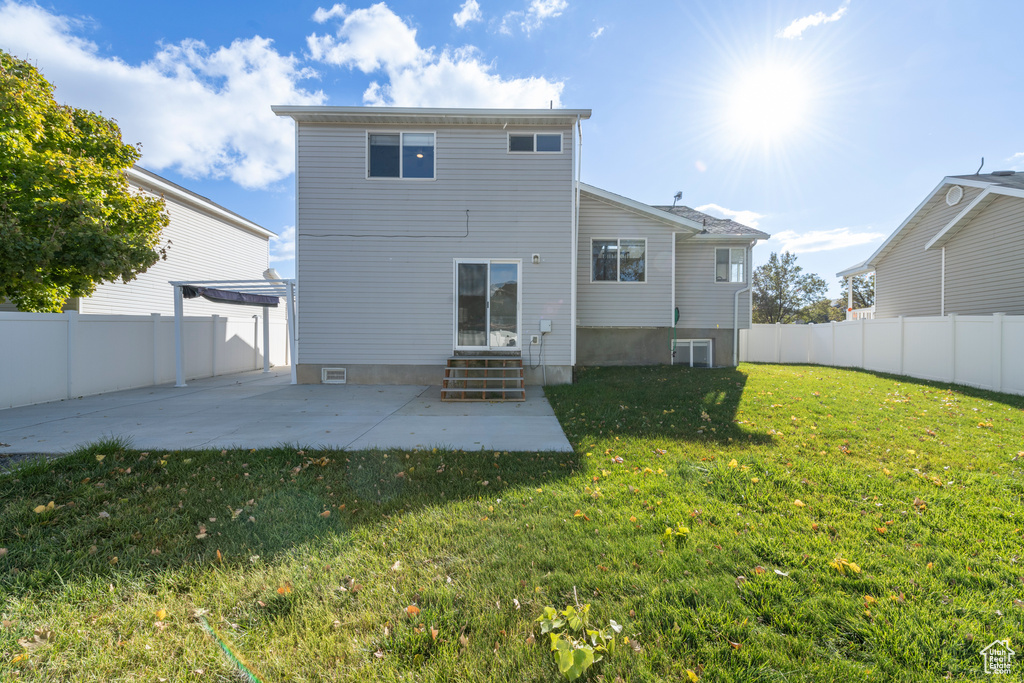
(545, 326)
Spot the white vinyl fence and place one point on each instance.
(53, 356)
(977, 350)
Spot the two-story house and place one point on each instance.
(428, 234)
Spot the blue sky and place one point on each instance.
(822, 122)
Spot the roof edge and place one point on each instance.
(960, 221)
(341, 114)
(149, 180)
(641, 208)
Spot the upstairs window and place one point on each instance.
(619, 260)
(535, 142)
(729, 265)
(400, 155)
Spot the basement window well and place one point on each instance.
(695, 353)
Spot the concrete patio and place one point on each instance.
(256, 410)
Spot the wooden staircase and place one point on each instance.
(483, 378)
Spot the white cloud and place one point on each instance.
(1017, 162)
(747, 218)
(376, 39)
(821, 240)
(598, 32)
(282, 247)
(537, 12)
(470, 11)
(798, 26)
(203, 112)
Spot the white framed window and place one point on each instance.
(400, 155)
(730, 264)
(535, 143)
(618, 260)
(695, 353)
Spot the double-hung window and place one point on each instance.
(400, 155)
(618, 260)
(730, 265)
(535, 142)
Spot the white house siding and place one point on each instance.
(984, 272)
(375, 257)
(704, 303)
(908, 279)
(202, 248)
(623, 304)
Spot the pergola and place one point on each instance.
(237, 292)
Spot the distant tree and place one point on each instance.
(782, 290)
(68, 219)
(824, 311)
(863, 291)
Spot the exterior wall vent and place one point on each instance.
(332, 375)
(954, 195)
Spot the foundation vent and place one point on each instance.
(332, 375)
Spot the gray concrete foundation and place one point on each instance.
(645, 345)
(309, 373)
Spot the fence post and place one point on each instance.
(778, 342)
(997, 338)
(266, 340)
(832, 360)
(952, 347)
(862, 353)
(156, 348)
(902, 345)
(810, 339)
(72, 318)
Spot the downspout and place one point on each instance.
(736, 309)
(575, 245)
(942, 285)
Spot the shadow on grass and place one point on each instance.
(675, 402)
(117, 511)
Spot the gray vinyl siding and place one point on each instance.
(908, 279)
(984, 272)
(704, 303)
(202, 248)
(375, 257)
(623, 304)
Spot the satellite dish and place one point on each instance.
(677, 197)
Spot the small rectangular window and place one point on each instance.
(730, 265)
(622, 260)
(520, 143)
(401, 155)
(535, 142)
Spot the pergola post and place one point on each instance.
(266, 339)
(179, 364)
(849, 297)
(292, 355)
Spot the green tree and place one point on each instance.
(68, 219)
(782, 290)
(863, 291)
(824, 311)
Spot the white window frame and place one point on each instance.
(618, 261)
(561, 142)
(676, 343)
(401, 145)
(730, 281)
(455, 304)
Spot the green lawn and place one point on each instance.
(304, 564)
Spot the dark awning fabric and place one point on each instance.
(227, 296)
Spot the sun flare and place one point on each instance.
(768, 103)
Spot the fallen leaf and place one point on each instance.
(104, 514)
(530, 639)
(161, 614)
(733, 464)
(799, 503)
(759, 570)
(781, 573)
(3, 551)
(433, 633)
(99, 458)
(285, 589)
(412, 610)
(325, 514)
(220, 558)
(396, 566)
(735, 646)
(692, 676)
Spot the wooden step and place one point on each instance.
(483, 378)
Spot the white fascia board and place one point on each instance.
(859, 269)
(884, 247)
(147, 180)
(970, 211)
(425, 115)
(727, 237)
(634, 206)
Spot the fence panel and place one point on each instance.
(981, 351)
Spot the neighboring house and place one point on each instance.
(960, 251)
(423, 233)
(204, 241)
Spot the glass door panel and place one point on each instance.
(504, 325)
(471, 293)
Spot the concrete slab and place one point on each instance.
(253, 410)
